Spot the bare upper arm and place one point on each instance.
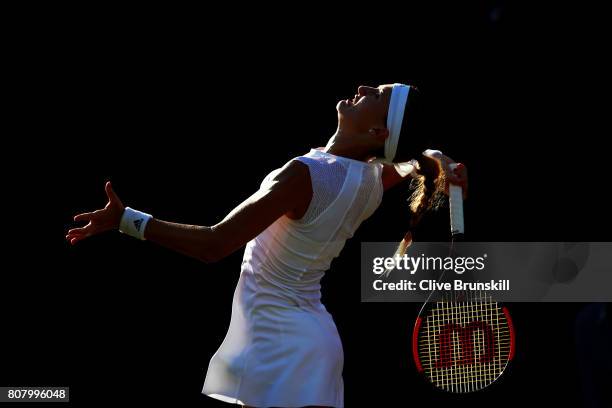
(390, 177)
(289, 190)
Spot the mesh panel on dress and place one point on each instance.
(357, 212)
(327, 177)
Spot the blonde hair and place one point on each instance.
(427, 189)
(427, 195)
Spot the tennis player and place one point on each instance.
(282, 348)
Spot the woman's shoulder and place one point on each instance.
(293, 172)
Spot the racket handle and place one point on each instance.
(455, 201)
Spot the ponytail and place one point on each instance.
(427, 188)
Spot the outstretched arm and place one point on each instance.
(392, 177)
(290, 189)
(394, 174)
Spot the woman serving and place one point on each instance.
(282, 348)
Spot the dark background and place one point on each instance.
(187, 110)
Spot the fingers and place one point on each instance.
(83, 217)
(453, 178)
(76, 234)
(456, 176)
(75, 237)
(110, 193)
(459, 175)
(92, 228)
(88, 216)
(74, 240)
(460, 170)
(97, 220)
(82, 230)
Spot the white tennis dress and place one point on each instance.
(282, 348)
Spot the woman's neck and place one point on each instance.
(341, 145)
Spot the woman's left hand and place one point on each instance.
(98, 221)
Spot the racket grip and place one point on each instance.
(455, 201)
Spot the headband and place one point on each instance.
(399, 97)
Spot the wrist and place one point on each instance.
(134, 222)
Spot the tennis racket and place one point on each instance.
(463, 341)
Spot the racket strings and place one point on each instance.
(464, 345)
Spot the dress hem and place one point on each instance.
(234, 400)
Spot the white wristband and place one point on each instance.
(134, 222)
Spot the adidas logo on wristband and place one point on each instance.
(134, 222)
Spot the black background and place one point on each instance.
(187, 110)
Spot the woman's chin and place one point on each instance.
(343, 105)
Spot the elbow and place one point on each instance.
(216, 246)
(212, 250)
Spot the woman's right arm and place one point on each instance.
(290, 189)
(392, 177)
